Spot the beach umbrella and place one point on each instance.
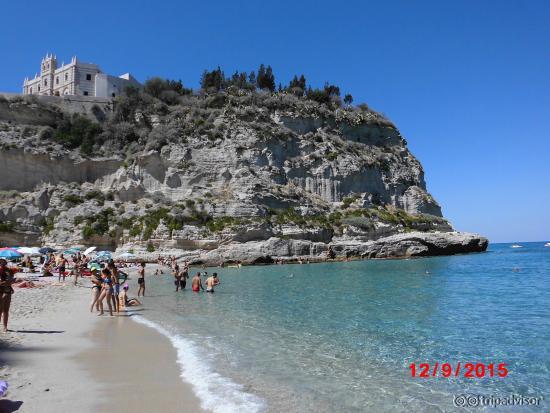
(46, 250)
(94, 266)
(28, 251)
(103, 258)
(88, 250)
(3, 388)
(9, 253)
(71, 251)
(127, 255)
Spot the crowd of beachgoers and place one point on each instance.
(104, 275)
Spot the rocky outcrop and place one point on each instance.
(264, 184)
(409, 245)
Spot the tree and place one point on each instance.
(266, 79)
(348, 99)
(252, 78)
(213, 80)
(297, 86)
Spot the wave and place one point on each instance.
(216, 393)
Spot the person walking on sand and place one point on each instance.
(97, 283)
(141, 279)
(6, 290)
(106, 291)
(211, 282)
(196, 283)
(61, 267)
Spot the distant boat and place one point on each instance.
(547, 244)
(516, 246)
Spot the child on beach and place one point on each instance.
(124, 301)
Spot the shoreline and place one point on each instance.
(57, 356)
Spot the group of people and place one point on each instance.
(182, 275)
(106, 287)
(109, 287)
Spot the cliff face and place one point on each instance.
(258, 171)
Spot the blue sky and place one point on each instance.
(467, 82)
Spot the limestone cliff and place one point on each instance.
(212, 174)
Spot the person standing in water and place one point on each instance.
(141, 279)
(177, 276)
(184, 275)
(211, 282)
(196, 283)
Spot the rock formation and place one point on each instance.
(233, 176)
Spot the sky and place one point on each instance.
(466, 82)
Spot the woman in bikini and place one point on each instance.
(141, 279)
(97, 283)
(6, 290)
(106, 291)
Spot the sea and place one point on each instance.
(341, 336)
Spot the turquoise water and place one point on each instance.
(339, 337)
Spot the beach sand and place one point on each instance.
(59, 357)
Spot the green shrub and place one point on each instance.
(331, 156)
(6, 226)
(47, 226)
(87, 232)
(73, 199)
(150, 247)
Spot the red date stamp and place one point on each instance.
(467, 370)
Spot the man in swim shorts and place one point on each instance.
(196, 283)
(211, 282)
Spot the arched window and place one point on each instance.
(66, 76)
(45, 82)
(30, 90)
(57, 80)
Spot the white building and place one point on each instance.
(75, 78)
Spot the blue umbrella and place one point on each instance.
(9, 253)
(46, 250)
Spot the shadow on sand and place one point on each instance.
(39, 331)
(8, 406)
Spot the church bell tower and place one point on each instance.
(47, 69)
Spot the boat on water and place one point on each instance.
(547, 244)
(516, 246)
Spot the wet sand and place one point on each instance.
(137, 368)
(58, 357)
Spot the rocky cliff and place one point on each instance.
(230, 176)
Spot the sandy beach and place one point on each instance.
(58, 356)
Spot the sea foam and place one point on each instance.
(215, 392)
